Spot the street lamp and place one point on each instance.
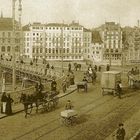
(13, 48)
(62, 43)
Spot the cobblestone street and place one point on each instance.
(98, 117)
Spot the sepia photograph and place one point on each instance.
(69, 70)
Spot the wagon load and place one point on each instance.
(109, 81)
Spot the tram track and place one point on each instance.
(58, 126)
(58, 118)
(100, 131)
(113, 110)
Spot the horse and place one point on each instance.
(26, 100)
(29, 100)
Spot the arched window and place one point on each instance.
(49, 50)
(8, 49)
(17, 48)
(40, 50)
(67, 50)
(46, 50)
(53, 50)
(3, 49)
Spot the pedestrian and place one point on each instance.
(119, 89)
(68, 81)
(99, 69)
(69, 67)
(107, 67)
(72, 77)
(95, 67)
(86, 81)
(120, 133)
(9, 105)
(132, 71)
(64, 86)
(53, 85)
(4, 101)
(136, 71)
(68, 105)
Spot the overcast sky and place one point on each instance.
(90, 13)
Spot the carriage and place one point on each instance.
(82, 85)
(47, 100)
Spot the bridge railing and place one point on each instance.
(31, 68)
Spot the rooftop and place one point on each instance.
(96, 38)
(6, 24)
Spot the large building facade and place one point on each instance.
(53, 41)
(8, 39)
(111, 34)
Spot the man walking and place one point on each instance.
(120, 133)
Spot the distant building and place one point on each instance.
(132, 46)
(111, 34)
(7, 42)
(87, 36)
(53, 40)
(95, 49)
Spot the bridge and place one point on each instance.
(32, 72)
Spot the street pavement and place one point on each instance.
(98, 117)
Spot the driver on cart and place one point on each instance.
(68, 105)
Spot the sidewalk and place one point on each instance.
(19, 107)
(132, 127)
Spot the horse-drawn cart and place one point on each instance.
(109, 81)
(82, 85)
(46, 100)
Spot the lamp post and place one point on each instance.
(62, 43)
(14, 37)
(13, 47)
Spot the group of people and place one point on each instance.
(6, 104)
(134, 71)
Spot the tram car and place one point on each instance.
(109, 80)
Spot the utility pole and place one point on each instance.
(62, 43)
(110, 48)
(13, 47)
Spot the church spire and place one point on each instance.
(1, 14)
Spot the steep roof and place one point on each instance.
(6, 24)
(26, 28)
(86, 30)
(96, 38)
(56, 24)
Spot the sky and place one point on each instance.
(89, 13)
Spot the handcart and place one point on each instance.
(82, 85)
(69, 117)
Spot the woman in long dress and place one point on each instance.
(9, 105)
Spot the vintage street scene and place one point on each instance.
(69, 70)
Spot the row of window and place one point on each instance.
(3, 40)
(54, 39)
(54, 51)
(8, 48)
(57, 28)
(58, 57)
